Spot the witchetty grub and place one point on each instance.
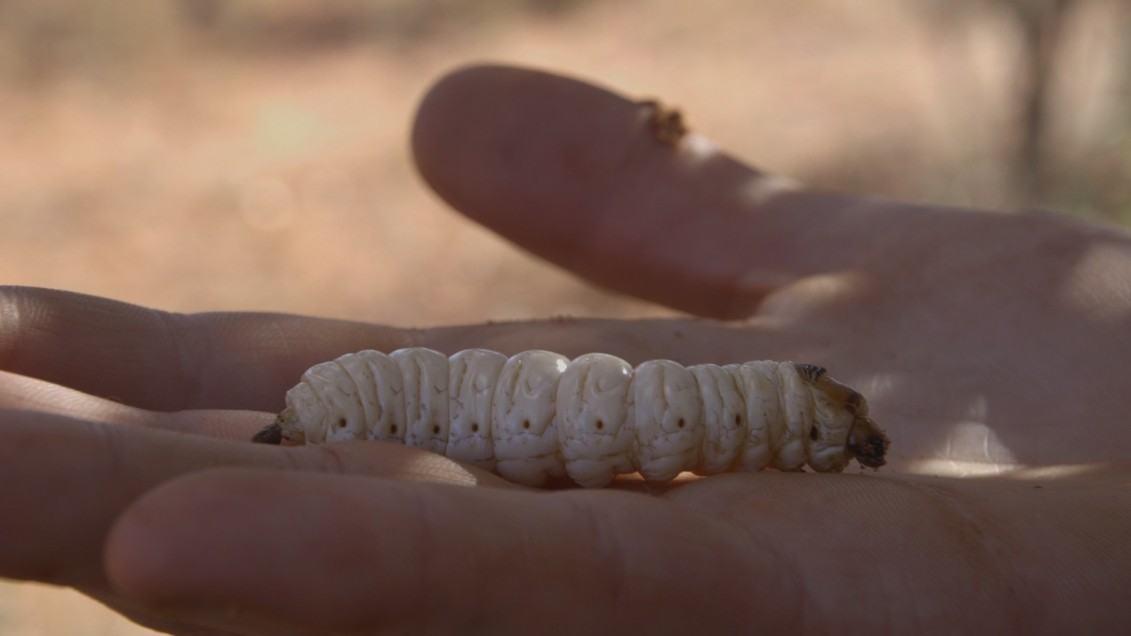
(538, 415)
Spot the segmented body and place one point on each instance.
(538, 415)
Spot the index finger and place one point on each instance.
(334, 554)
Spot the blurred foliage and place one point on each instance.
(43, 41)
(1070, 105)
(274, 27)
(1071, 100)
(38, 40)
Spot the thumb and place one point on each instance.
(311, 553)
(573, 173)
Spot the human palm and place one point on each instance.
(992, 349)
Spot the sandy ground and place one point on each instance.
(192, 170)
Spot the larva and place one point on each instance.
(538, 415)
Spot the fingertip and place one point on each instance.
(135, 553)
(496, 142)
(256, 549)
(161, 546)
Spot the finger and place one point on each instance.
(323, 554)
(21, 393)
(66, 480)
(162, 361)
(573, 173)
(167, 362)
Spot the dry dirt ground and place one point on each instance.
(256, 159)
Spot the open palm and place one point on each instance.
(993, 349)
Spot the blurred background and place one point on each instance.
(205, 155)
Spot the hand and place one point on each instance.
(992, 348)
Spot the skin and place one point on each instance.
(992, 348)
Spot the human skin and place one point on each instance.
(993, 349)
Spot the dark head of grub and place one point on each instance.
(867, 443)
(271, 434)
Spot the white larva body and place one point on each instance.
(537, 415)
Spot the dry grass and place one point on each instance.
(253, 155)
